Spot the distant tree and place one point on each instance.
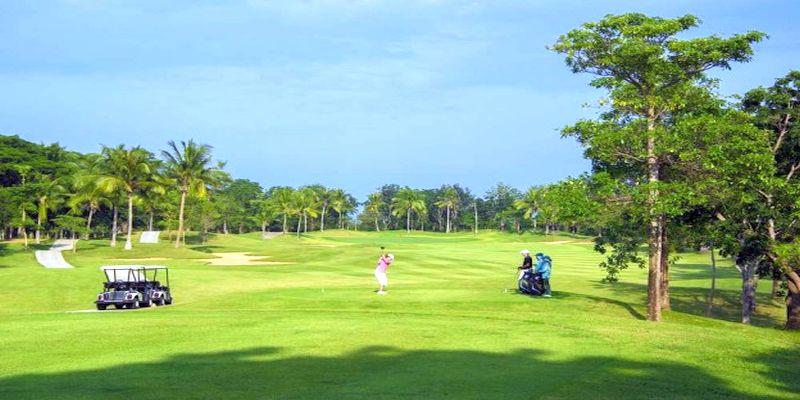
(191, 166)
(405, 202)
(131, 171)
(375, 206)
(449, 200)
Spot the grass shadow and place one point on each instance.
(385, 372)
(693, 300)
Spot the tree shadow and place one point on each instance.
(693, 300)
(383, 372)
(781, 370)
(626, 306)
(206, 249)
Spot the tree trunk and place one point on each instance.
(322, 219)
(23, 229)
(263, 229)
(408, 220)
(712, 292)
(793, 301)
(749, 285)
(225, 226)
(180, 220)
(475, 206)
(305, 223)
(776, 287)
(285, 229)
(37, 238)
(299, 222)
(89, 223)
(447, 229)
(546, 229)
(377, 226)
(128, 242)
(665, 303)
(656, 226)
(114, 227)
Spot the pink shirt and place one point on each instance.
(383, 265)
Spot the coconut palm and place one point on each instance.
(129, 171)
(530, 203)
(405, 201)
(49, 192)
(282, 200)
(341, 204)
(449, 200)
(375, 205)
(306, 204)
(190, 165)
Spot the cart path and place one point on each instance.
(53, 258)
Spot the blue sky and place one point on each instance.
(350, 94)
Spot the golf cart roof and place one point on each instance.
(137, 267)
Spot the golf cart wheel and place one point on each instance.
(134, 305)
(168, 301)
(119, 306)
(146, 303)
(159, 302)
(101, 307)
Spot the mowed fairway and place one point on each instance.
(449, 328)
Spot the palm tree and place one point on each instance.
(341, 204)
(324, 197)
(130, 171)
(48, 193)
(449, 200)
(405, 201)
(87, 196)
(529, 203)
(282, 200)
(190, 165)
(265, 212)
(374, 205)
(306, 203)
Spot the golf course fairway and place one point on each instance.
(308, 325)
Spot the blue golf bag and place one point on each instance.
(531, 283)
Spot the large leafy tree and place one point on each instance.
(375, 206)
(191, 166)
(129, 171)
(648, 72)
(776, 109)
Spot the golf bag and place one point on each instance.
(531, 283)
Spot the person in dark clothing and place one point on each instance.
(527, 262)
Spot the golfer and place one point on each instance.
(527, 262)
(380, 272)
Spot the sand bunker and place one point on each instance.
(225, 259)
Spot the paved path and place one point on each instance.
(53, 258)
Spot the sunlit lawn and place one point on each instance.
(450, 327)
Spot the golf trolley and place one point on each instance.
(531, 283)
(133, 286)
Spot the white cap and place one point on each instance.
(391, 256)
(526, 251)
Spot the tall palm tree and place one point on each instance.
(405, 201)
(49, 191)
(129, 171)
(190, 165)
(375, 205)
(324, 197)
(282, 200)
(449, 200)
(530, 203)
(307, 204)
(87, 197)
(341, 204)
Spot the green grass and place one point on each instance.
(448, 328)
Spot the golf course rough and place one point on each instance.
(451, 327)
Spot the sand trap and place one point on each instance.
(226, 259)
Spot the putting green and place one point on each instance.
(313, 328)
